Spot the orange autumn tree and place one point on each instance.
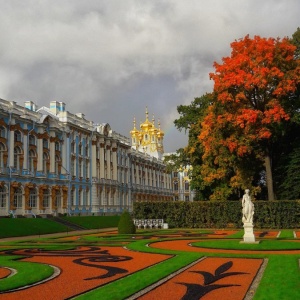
(252, 89)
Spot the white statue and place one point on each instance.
(248, 208)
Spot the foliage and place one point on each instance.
(295, 40)
(126, 225)
(250, 115)
(220, 214)
(190, 120)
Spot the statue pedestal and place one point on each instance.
(249, 235)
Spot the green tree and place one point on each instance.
(190, 120)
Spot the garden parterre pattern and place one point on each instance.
(86, 267)
(208, 279)
(83, 268)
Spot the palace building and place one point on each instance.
(55, 162)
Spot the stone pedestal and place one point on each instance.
(248, 233)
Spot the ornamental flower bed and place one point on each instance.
(211, 278)
(82, 269)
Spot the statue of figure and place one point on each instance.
(248, 208)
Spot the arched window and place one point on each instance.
(57, 146)
(31, 158)
(45, 143)
(32, 198)
(18, 136)
(32, 140)
(46, 198)
(175, 186)
(2, 151)
(3, 196)
(73, 147)
(18, 198)
(186, 185)
(57, 160)
(17, 154)
(80, 197)
(58, 199)
(2, 132)
(45, 161)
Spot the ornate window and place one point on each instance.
(73, 147)
(57, 160)
(80, 168)
(45, 162)
(73, 197)
(18, 198)
(2, 151)
(86, 175)
(80, 149)
(17, 154)
(32, 140)
(186, 185)
(46, 198)
(80, 197)
(58, 199)
(2, 132)
(175, 186)
(3, 196)
(32, 198)
(31, 158)
(57, 146)
(45, 143)
(18, 136)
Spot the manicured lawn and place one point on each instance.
(28, 226)
(95, 222)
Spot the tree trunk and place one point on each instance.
(269, 178)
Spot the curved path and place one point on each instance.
(185, 245)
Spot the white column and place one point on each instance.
(11, 147)
(108, 159)
(101, 157)
(94, 160)
(25, 149)
(52, 152)
(114, 161)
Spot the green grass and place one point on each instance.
(28, 226)
(95, 222)
(263, 245)
(27, 273)
(286, 234)
(281, 279)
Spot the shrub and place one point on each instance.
(126, 225)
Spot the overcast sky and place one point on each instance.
(110, 59)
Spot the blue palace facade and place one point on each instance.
(55, 162)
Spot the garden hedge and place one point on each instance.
(220, 214)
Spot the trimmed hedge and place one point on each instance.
(126, 225)
(220, 214)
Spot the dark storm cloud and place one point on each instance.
(111, 59)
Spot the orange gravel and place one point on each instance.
(78, 278)
(210, 279)
(266, 234)
(4, 272)
(183, 245)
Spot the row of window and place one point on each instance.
(33, 198)
(186, 185)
